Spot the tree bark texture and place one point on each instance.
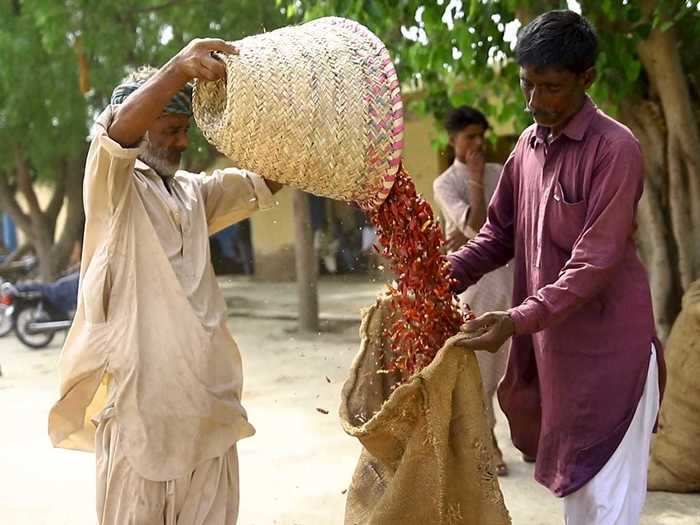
(306, 264)
(666, 123)
(39, 225)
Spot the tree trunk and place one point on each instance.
(306, 264)
(655, 239)
(669, 212)
(43, 242)
(75, 215)
(662, 62)
(39, 226)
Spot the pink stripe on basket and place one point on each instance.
(387, 157)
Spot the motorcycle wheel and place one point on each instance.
(33, 341)
(5, 320)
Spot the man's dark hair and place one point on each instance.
(560, 39)
(464, 116)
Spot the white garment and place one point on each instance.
(451, 192)
(494, 290)
(615, 496)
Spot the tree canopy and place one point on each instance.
(461, 52)
(60, 62)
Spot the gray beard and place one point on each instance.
(157, 159)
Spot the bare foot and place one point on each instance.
(500, 465)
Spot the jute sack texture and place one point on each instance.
(427, 450)
(675, 452)
(315, 106)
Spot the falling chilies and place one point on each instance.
(426, 311)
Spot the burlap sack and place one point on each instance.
(427, 448)
(675, 453)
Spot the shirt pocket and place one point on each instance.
(96, 288)
(565, 219)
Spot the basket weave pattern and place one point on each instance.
(316, 106)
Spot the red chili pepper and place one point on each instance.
(427, 312)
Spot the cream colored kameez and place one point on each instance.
(149, 353)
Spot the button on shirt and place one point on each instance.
(149, 338)
(565, 211)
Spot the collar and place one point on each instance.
(142, 166)
(145, 168)
(575, 129)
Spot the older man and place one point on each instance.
(150, 330)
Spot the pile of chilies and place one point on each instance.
(426, 311)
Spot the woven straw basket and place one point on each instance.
(315, 106)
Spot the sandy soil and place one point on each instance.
(293, 472)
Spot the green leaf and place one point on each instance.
(632, 70)
(666, 26)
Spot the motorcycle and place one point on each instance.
(22, 268)
(6, 310)
(40, 310)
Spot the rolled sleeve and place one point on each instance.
(231, 195)
(111, 146)
(526, 318)
(108, 169)
(116, 150)
(262, 192)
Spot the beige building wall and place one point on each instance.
(421, 159)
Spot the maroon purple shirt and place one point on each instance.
(565, 212)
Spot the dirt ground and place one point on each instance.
(293, 472)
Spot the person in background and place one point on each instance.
(462, 193)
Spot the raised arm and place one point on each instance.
(143, 107)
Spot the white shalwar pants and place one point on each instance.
(615, 496)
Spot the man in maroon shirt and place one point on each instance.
(585, 373)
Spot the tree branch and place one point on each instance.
(59, 194)
(655, 239)
(525, 14)
(73, 225)
(10, 205)
(72, 232)
(24, 182)
(20, 252)
(661, 59)
(158, 7)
